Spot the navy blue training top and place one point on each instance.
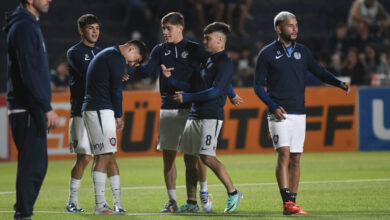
(284, 75)
(78, 56)
(212, 88)
(104, 81)
(185, 57)
(28, 69)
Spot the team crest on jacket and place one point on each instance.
(86, 57)
(113, 141)
(297, 55)
(184, 54)
(276, 138)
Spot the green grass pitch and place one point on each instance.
(333, 186)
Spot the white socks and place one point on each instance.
(115, 183)
(203, 186)
(99, 186)
(172, 194)
(74, 186)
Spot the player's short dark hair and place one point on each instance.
(141, 47)
(175, 18)
(218, 27)
(87, 19)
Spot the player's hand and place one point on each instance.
(119, 124)
(125, 77)
(346, 86)
(178, 97)
(52, 119)
(237, 100)
(279, 113)
(166, 71)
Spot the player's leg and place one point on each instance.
(115, 183)
(172, 122)
(204, 196)
(102, 150)
(79, 144)
(208, 132)
(191, 181)
(75, 181)
(298, 130)
(281, 137)
(170, 173)
(30, 141)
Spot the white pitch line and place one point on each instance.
(241, 184)
(219, 214)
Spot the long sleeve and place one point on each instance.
(34, 77)
(260, 79)
(320, 72)
(117, 67)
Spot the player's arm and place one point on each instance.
(260, 78)
(179, 85)
(322, 74)
(356, 15)
(223, 78)
(116, 71)
(74, 61)
(150, 67)
(233, 97)
(27, 43)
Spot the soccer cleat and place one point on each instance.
(119, 209)
(189, 208)
(232, 201)
(205, 201)
(74, 207)
(104, 210)
(290, 208)
(171, 206)
(300, 212)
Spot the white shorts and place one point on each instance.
(172, 123)
(289, 132)
(78, 137)
(200, 137)
(101, 131)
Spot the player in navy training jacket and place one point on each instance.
(102, 115)
(281, 67)
(79, 56)
(206, 116)
(28, 97)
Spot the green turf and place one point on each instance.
(333, 186)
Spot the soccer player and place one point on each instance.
(206, 116)
(102, 115)
(281, 66)
(79, 56)
(181, 57)
(28, 96)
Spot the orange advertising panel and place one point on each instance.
(331, 124)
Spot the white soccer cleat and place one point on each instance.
(206, 202)
(104, 210)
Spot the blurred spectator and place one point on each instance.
(244, 78)
(244, 62)
(337, 42)
(362, 37)
(140, 20)
(242, 8)
(353, 68)
(370, 12)
(206, 11)
(234, 55)
(374, 62)
(59, 76)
